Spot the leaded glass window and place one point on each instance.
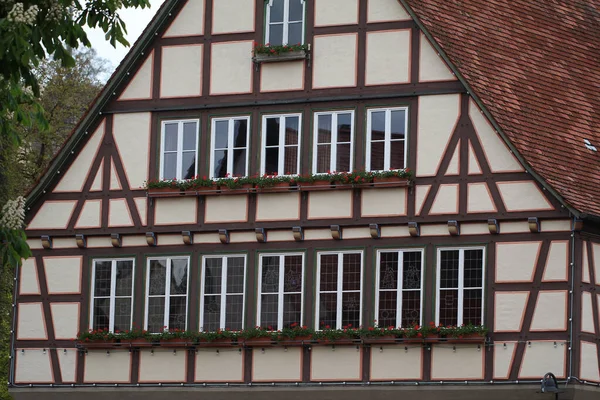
(112, 297)
(166, 294)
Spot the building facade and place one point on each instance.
(473, 236)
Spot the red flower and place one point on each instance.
(371, 328)
(327, 327)
(419, 334)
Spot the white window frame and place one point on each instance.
(230, 146)
(286, 21)
(282, 146)
(461, 277)
(280, 292)
(180, 123)
(334, 139)
(388, 136)
(339, 288)
(167, 294)
(400, 288)
(113, 289)
(223, 294)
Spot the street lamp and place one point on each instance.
(549, 385)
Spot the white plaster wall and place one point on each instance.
(67, 360)
(282, 76)
(393, 363)
(33, 366)
(90, 215)
(479, 199)
(432, 67)
(206, 238)
(277, 364)
(515, 262)
(115, 183)
(344, 365)
(133, 240)
(523, 196)
(336, 12)
(281, 235)
(454, 165)
(53, 215)
(164, 365)
(189, 21)
(446, 200)
(96, 242)
(514, 227)
(394, 231)
(181, 71)
(385, 10)
(330, 204)
(97, 184)
(74, 178)
(388, 57)
(474, 229)
(231, 68)
(384, 202)
(173, 211)
(555, 225)
(227, 365)
(542, 357)
(101, 367)
(557, 262)
(335, 60)
(63, 274)
(503, 359)
(474, 167)
(233, 208)
(421, 192)
(587, 313)
(438, 115)
(65, 318)
(356, 233)
(231, 16)
(243, 237)
(169, 240)
(34, 244)
(132, 137)
(596, 255)
(509, 311)
(64, 243)
(585, 264)
(550, 312)
(463, 362)
(31, 324)
(434, 230)
(119, 213)
(142, 204)
(317, 234)
(278, 206)
(28, 280)
(140, 85)
(589, 370)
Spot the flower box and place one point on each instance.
(339, 341)
(165, 192)
(176, 342)
(474, 338)
(136, 343)
(281, 57)
(224, 342)
(316, 185)
(259, 341)
(298, 340)
(389, 181)
(278, 187)
(244, 188)
(380, 339)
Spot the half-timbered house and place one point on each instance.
(492, 109)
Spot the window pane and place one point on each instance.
(411, 308)
(234, 310)
(272, 132)
(235, 275)
(292, 309)
(102, 278)
(158, 270)
(472, 307)
(398, 125)
(397, 154)
(296, 8)
(177, 312)
(275, 35)
(325, 125)
(220, 164)
(101, 313)
(239, 163)
(122, 314)
(377, 156)
(350, 309)
(327, 310)
(411, 274)
(344, 125)
(212, 276)
(277, 11)
(388, 273)
(221, 134)
(156, 314)
(189, 136)
(268, 311)
(473, 268)
(124, 278)
(170, 166)
(449, 269)
(323, 158)
(449, 307)
(387, 309)
(351, 279)
(377, 125)
(188, 165)
(343, 158)
(295, 33)
(240, 133)
(171, 137)
(179, 276)
(290, 161)
(329, 272)
(292, 278)
(270, 274)
(292, 126)
(212, 313)
(272, 161)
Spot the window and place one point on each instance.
(386, 139)
(167, 289)
(339, 286)
(223, 294)
(229, 147)
(178, 157)
(460, 286)
(281, 144)
(285, 22)
(112, 296)
(334, 133)
(399, 288)
(280, 290)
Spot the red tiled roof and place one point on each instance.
(535, 65)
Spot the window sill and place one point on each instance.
(283, 57)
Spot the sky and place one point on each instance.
(135, 20)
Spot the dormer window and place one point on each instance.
(285, 22)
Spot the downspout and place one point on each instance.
(572, 296)
(11, 372)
